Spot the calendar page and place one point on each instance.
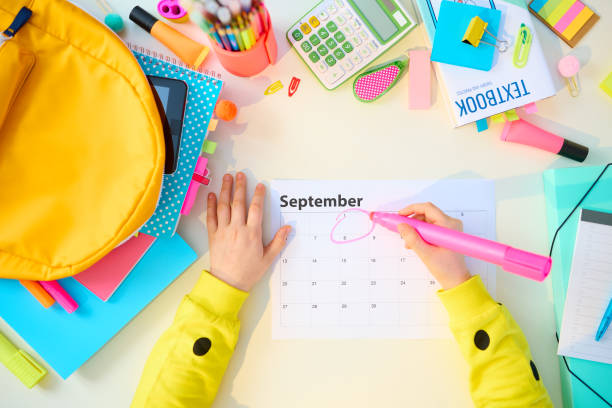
(373, 287)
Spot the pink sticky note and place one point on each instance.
(419, 79)
(194, 186)
(105, 276)
(530, 108)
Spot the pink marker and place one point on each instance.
(522, 132)
(60, 295)
(522, 263)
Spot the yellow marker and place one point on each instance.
(275, 87)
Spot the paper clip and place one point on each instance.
(522, 47)
(475, 31)
(568, 68)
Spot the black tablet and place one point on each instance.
(171, 97)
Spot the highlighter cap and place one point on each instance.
(574, 151)
(142, 18)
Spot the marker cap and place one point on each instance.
(574, 151)
(142, 18)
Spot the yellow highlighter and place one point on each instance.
(20, 363)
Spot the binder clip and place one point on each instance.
(475, 31)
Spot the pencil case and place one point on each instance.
(253, 61)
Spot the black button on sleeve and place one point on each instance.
(201, 346)
(482, 340)
(534, 370)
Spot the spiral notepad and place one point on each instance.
(202, 95)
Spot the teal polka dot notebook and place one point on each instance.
(202, 94)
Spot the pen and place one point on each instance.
(605, 322)
(59, 294)
(38, 292)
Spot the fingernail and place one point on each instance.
(240, 176)
(211, 196)
(227, 177)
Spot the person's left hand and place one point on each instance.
(237, 254)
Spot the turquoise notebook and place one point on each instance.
(563, 189)
(202, 95)
(66, 341)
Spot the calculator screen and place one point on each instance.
(377, 17)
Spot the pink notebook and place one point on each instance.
(104, 277)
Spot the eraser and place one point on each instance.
(419, 79)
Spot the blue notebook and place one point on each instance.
(563, 189)
(66, 341)
(454, 19)
(202, 95)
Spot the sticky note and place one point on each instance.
(209, 147)
(419, 79)
(606, 85)
(531, 108)
(482, 124)
(569, 19)
(212, 125)
(499, 118)
(569, 16)
(511, 115)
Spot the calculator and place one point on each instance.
(338, 38)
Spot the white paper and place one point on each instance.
(588, 294)
(373, 287)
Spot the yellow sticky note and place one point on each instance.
(212, 126)
(499, 118)
(606, 85)
(511, 115)
(580, 20)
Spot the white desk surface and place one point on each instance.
(318, 134)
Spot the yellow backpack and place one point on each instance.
(81, 142)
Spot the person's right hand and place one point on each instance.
(446, 266)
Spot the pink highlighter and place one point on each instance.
(522, 132)
(522, 263)
(60, 295)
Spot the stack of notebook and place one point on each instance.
(119, 286)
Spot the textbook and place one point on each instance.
(475, 94)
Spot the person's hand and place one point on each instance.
(446, 266)
(237, 254)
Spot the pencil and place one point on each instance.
(238, 37)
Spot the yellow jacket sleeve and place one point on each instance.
(187, 363)
(502, 370)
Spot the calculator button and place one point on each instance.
(339, 54)
(340, 20)
(373, 45)
(321, 67)
(339, 36)
(322, 16)
(305, 28)
(347, 47)
(314, 40)
(306, 46)
(323, 33)
(330, 60)
(314, 57)
(314, 22)
(349, 30)
(356, 40)
(355, 59)
(356, 24)
(334, 74)
(297, 36)
(399, 18)
(331, 26)
(363, 35)
(365, 52)
(331, 44)
(331, 9)
(322, 50)
(347, 65)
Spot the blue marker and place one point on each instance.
(605, 322)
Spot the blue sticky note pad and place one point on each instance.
(454, 19)
(482, 125)
(66, 341)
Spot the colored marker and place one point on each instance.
(238, 37)
(605, 322)
(20, 363)
(232, 38)
(522, 132)
(224, 39)
(59, 294)
(38, 292)
(256, 24)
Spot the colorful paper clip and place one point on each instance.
(568, 68)
(522, 47)
(475, 31)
